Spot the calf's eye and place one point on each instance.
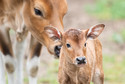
(85, 44)
(68, 45)
(38, 12)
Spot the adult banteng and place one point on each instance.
(40, 18)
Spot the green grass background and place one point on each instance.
(107, 9)
(113, 64)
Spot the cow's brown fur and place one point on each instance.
(20, 16)
(69, 72)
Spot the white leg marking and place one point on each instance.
(19, 70)
(34, 62)
(8, 59)
(20, 52)
(2, 73)
(32, 80)
(11, 78)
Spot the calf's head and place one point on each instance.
(39, 15)
(74, 43)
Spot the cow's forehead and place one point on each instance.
(49, 5)
(58, 3)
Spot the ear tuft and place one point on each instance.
(95, 31)
(52, 32)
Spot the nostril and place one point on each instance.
(77, 59)
(81, 60)
(58, 47)
(57, 50)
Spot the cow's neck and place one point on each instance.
(11, 4)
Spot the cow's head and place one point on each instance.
(40, 16)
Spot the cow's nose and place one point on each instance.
(81, 60)
(57, 50)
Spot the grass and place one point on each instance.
(123, 33)
(119, 37)
(107, 9)
(51, 75)
(114, 70)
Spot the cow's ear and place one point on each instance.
(53, 33)
(94, 31)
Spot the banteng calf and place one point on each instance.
(81, 57)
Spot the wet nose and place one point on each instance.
(57, 50)
(81, 60)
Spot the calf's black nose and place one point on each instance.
(81, 60)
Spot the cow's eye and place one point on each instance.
(38, 12)
(85, 44)
(68, 45)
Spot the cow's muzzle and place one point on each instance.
(57, 50)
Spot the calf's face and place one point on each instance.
(41, 14)
(74, 49)
(74, 43)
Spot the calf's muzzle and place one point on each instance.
(81, 60)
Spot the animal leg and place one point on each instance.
(33, 61)
(20, 49)
(9, 59)
(2, 71)
(98, 77)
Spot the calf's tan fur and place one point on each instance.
(81, 43)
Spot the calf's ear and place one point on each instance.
(53, 33)
(94, 31)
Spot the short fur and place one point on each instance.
(20, 16)
(69, 72)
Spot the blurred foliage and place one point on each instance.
(114, 69)
(116, 37)
(51, 76)
(107, 9)
(119, 37)
(11, 31)
(113, 66)
(123, 33)
(91, 83)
